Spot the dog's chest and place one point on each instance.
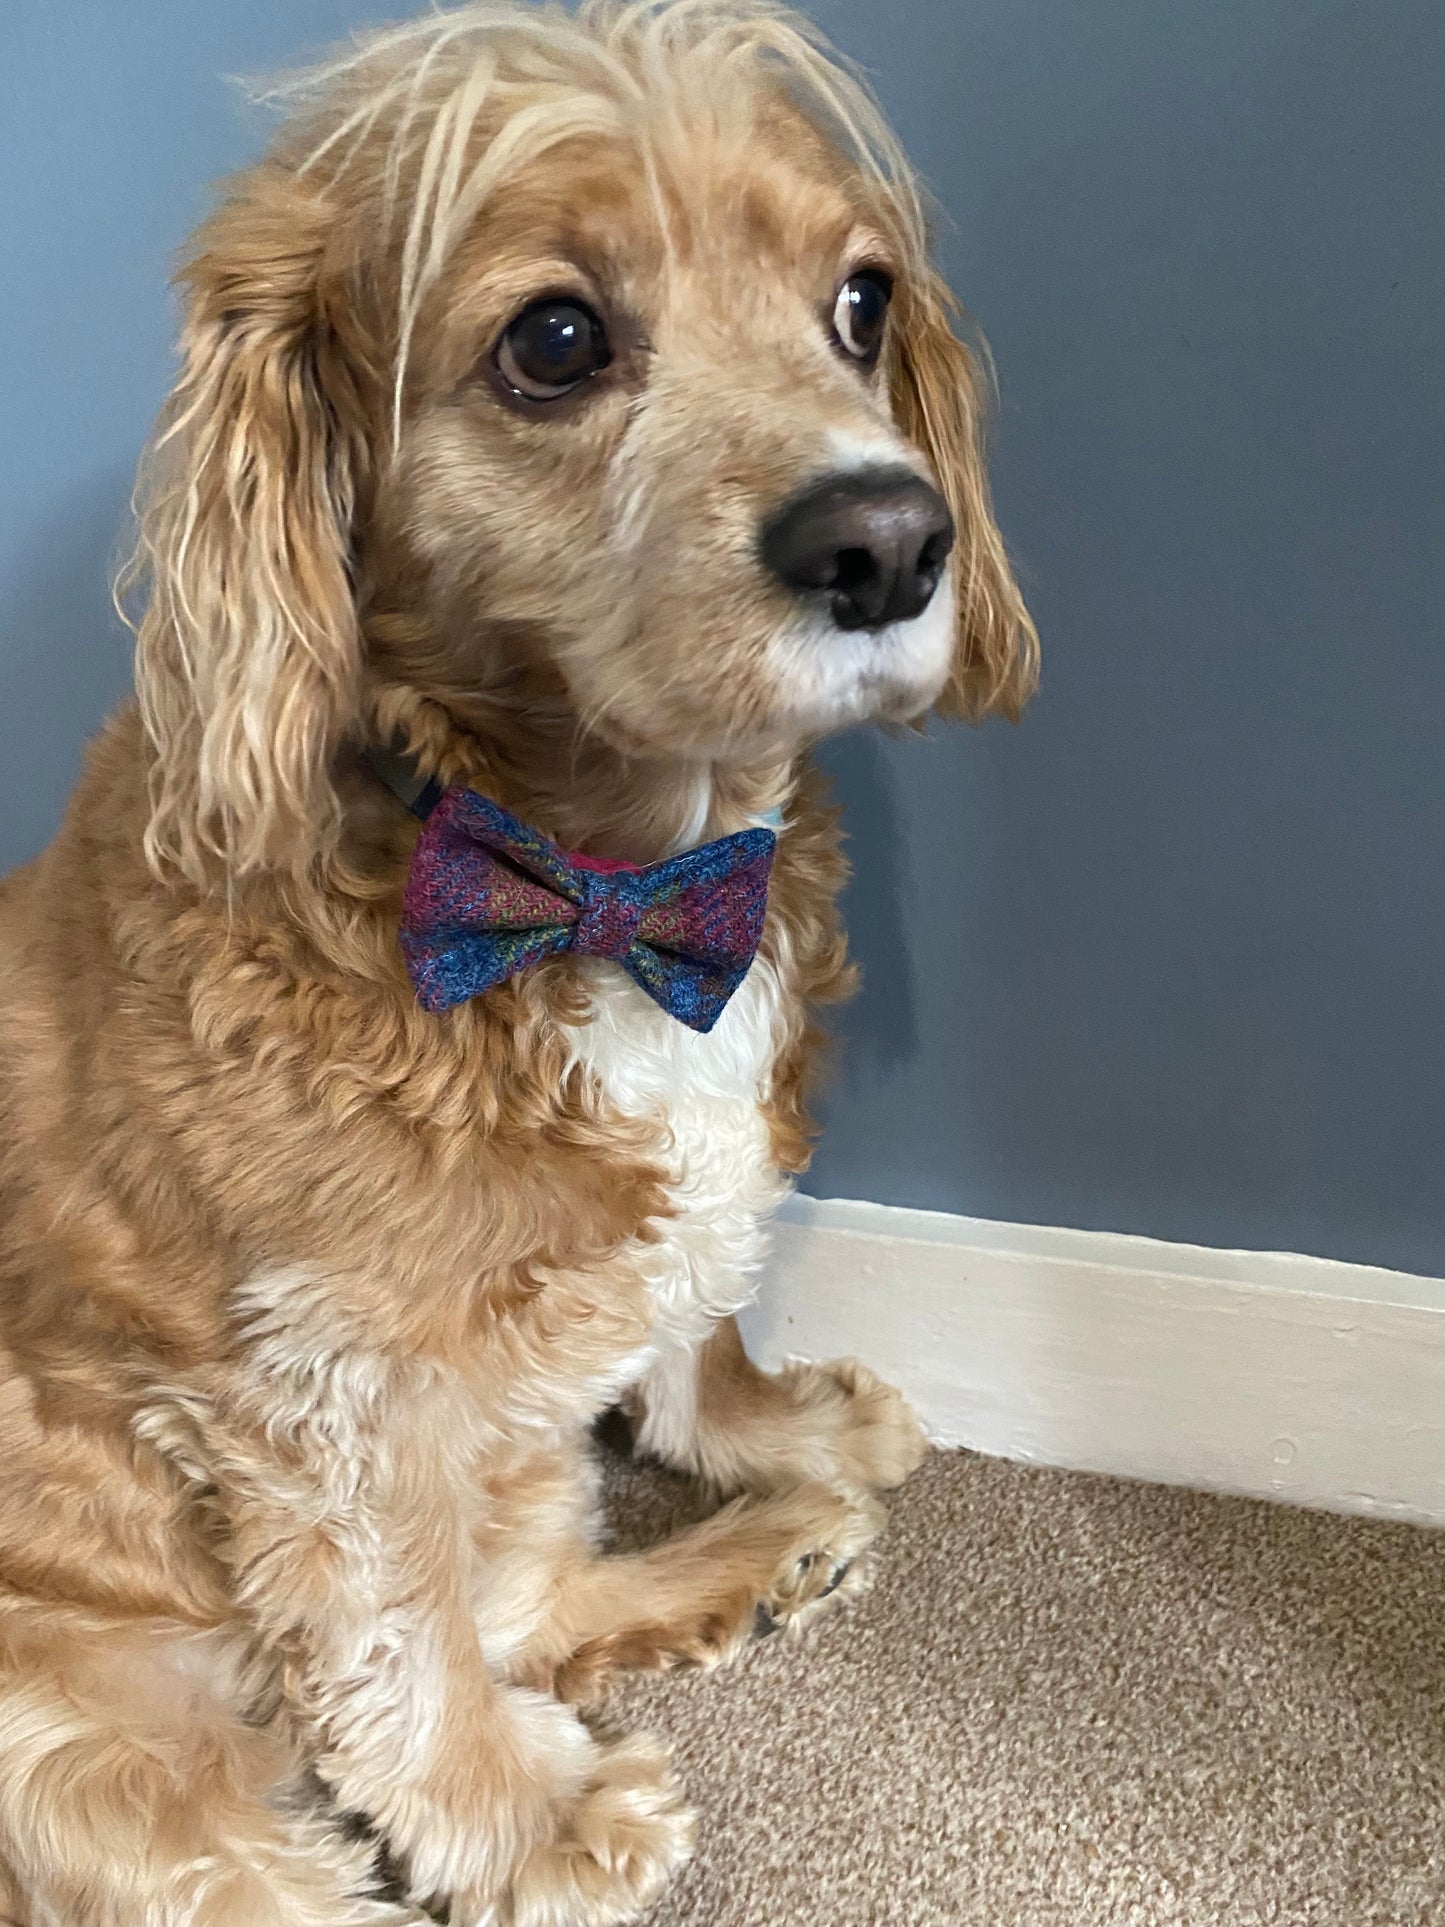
(706, 1093)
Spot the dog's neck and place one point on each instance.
(583, 792)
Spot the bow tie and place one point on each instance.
(487, 896)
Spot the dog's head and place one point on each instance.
(597, 354)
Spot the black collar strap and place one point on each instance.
(398, 770)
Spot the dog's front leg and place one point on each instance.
(342, 1483)
(711, 1411)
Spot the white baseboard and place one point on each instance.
(1233, 1371)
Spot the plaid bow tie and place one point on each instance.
(487, 896)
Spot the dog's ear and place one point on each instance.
(938, 403)
(248, 655)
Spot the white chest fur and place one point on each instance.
(705, 1092)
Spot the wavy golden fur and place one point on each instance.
(307, 1298)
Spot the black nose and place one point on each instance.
(873, 541)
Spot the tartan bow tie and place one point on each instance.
(487, 895)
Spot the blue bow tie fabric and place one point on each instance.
(487, 896)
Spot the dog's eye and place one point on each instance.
(550, 348)
(861, 311)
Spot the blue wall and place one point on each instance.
(1167, 957)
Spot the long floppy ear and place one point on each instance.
(938, 403)
(248, 656)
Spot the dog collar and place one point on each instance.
(402, 775)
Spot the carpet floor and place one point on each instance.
(1074, 1702)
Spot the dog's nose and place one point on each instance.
(874, 542)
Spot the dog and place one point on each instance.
(570, 421)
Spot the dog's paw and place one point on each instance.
(856, 1424)
(755, 1567)
(614, 1851)
(828, 1560)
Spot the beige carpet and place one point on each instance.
(1071, 1702)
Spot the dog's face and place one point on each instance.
(649, 433)
(579, 356)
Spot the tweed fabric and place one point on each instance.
(487, 895)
